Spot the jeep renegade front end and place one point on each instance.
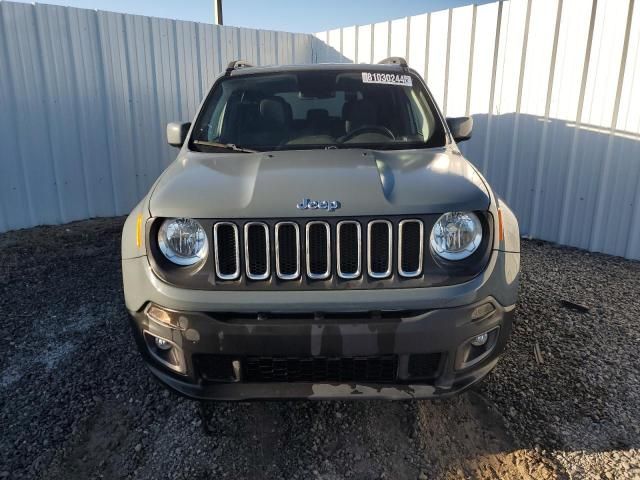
(320, 235)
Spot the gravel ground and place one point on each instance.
(77, 403)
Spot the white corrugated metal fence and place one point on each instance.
(553, 85)
(85, 97)
(554, 88)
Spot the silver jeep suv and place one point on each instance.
(320, 236)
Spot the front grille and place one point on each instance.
(378, 369)
(319, 250)
(340, 253)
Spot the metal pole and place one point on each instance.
(217, 12)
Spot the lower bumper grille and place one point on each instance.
(379, 369)
(373, 369)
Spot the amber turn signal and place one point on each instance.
(139, 231)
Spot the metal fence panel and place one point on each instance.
(553, 86)
(85, 97)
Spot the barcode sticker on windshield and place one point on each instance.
(387, 79)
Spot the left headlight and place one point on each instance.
(456, 235)
(182, 241)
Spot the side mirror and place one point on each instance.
(460, 127)
(177, 133)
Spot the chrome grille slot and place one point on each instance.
(318, 250)
(379, 248)
(349, 249)
(410, 247)
(287, 237)
(257, 250)
(227, 250)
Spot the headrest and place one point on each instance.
(275, 110)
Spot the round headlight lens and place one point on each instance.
(456, 235)
(183, 241)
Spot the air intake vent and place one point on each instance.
(227, 251)
(256, 250)
(410, 248)
(318, 250)
(379, 241)
(349, 249)
(287, 250)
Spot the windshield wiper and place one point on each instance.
(226, 146)
(398, 146)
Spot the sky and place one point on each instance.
(288, 15)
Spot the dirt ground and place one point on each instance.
(76, 401)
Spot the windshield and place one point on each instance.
(318, 109)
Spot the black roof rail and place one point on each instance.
(394, 61)
(236, 65)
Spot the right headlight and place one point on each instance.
(183, 241)
(456, 235)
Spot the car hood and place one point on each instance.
(364, 182)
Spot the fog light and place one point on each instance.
(162, 344)
(476, 349)
(480, 340)
(166, 352)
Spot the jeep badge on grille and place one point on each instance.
(308, 204)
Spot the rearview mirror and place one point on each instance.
(177, 133)
(460, 127)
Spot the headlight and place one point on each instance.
(456, 235)
(183, 241)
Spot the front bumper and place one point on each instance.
(445, 332)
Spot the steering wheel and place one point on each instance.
(368, 129)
